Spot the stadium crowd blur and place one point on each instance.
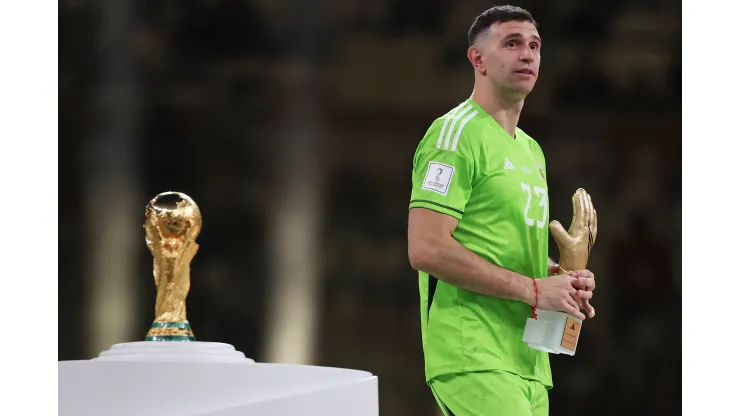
(208, 90)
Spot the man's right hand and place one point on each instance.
(557, 293)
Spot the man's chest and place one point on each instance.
(511, 182)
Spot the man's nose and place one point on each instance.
(527, 55)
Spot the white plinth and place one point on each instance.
(553, 332)
(207, 379)
(173, 352)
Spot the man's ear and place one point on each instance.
(475, 56)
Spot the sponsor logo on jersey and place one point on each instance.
(508, 164)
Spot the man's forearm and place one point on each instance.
(450, 262)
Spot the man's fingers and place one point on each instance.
(571, 301)
(583, 273)
(572, 288)
(552, 269)
(589, 309)
(578, 281)
(578, 315)
(584, 294)
(586, 283)
(581, 303)
(572, 308)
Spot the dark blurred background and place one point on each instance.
(293, 124)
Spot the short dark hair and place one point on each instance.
(497, 14)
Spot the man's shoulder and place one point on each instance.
(521, 134)
(455, 131)
(528, 140)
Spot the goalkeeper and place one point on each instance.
(478, 234)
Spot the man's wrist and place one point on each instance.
(528, 293)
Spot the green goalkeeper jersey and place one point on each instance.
(468, 167)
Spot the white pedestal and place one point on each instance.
(207, 379)
(553, 332)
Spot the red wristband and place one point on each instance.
(536, 298)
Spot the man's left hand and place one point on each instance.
(585, 285)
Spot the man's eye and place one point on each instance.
(534, 46)
(511, 43)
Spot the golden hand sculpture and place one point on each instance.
(575, 245)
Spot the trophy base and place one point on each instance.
(553, 332)
(196, 351)
(207, 379)
(170, 331)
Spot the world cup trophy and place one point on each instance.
(202, 378)
(172, 223)
(558, 332)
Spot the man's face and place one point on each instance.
(510, 54)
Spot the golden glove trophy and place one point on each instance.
(558, 332)
(172, 223)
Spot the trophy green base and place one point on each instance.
(170, 331)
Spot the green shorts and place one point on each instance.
(490, 393)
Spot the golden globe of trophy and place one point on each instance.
(172, 223)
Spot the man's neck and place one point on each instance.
(505, 112)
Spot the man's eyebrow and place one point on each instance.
(517, 35)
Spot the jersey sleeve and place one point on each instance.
(442, 178)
